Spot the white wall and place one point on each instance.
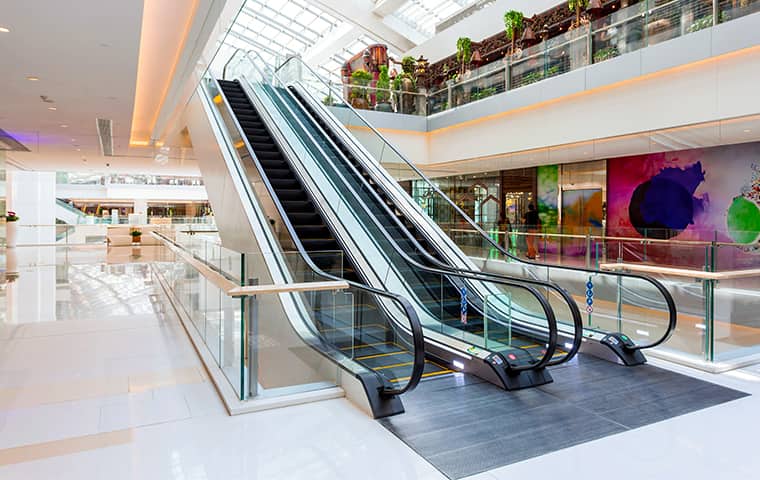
(482, 24)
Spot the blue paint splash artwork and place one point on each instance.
(665, 205)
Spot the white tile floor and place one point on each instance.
(117, 361)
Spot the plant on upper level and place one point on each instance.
(11, 217)
(577, 6)
(605, 54)
(360, 79)
(464, 52)
(383, 95)
(407, 65)
(513, 24)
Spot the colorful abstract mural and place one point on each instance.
(700, 194)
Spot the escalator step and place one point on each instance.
(313, 231)
(273, 164)
(285, 183)
(320, 245)
(297, 206)
(258, 136)
(295, 194)
(304, 218)
(270, 156)
(279, 173)
(264, 146)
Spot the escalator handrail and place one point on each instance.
(418, 341)
(443, 268)
(672, 312)
(546, 359)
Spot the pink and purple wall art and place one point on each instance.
(707, 194)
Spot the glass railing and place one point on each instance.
(607, 299)
(254, 340)
(379, 317)
(646, 23)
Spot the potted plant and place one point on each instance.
(405, 82)
(577, 6)
(513, 23)
(136, 235)
(464, 53)
(361, 79)
(383, 95)
(11, 229)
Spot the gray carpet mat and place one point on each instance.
(463, 425)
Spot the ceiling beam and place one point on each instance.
(359, 12)
(322, 51)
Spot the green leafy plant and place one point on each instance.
(407, 65)
(464, 52)
(577, 6)
(513, 23)
(11, 217)
(360, 78)
(553, 70)
(483, 93)
(383, 84)
(705, 22)
(531, 77)
(605, 54)
(135, 233)
(329, 100)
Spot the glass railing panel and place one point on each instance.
(619, 33)
(674, 19)
(567, 52)
(528, 67)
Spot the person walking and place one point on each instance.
(532, 223)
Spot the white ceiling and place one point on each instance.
(85, 54)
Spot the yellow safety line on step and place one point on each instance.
(393, 366)
(356, 347)
(424, 375)
(379, 355)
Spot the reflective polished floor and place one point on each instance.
(99, 380)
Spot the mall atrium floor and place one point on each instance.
(102, 381)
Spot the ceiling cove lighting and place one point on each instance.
(4, 30)
(32, 78)
(52, 108)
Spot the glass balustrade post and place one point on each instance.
(715, 12)
(251, 335)
(589, 45)
(508, 75)
(588, 249)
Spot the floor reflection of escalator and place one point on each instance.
(367, 339)
(441, 295)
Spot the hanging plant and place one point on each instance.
(513, 24)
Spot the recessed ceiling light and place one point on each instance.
(52, 108)
(4, 30)
(79, 149)
(63, 125)
(747, 130)
(32, 78)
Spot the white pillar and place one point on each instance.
(32, 196)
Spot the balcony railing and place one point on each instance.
(644, 24)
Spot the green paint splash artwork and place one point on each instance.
(548, 194)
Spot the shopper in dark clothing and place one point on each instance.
(532, 224)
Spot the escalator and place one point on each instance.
(514, 360)
(374, 345)
(626, 312)
(420, 267)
